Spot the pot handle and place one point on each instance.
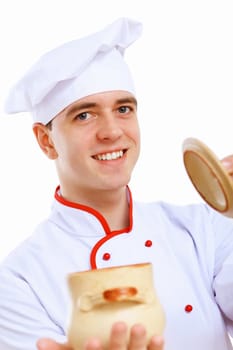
(86, 302)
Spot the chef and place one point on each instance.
(83, 103)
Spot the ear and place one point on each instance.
(44, 139)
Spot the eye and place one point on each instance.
(83, 116)
(124, 109)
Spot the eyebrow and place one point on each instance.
(127, 100)
(86, 105)
(80, 106)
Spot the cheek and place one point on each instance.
(62, 147)
(71, 149)
(135, 134)
(138, 140)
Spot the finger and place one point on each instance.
(227, 162)
(93, 344)
(49, 344)
(118, 337)
(156, 343)
(138, 340)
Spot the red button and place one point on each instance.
(148, 243)
(106, 256)
(188, 308)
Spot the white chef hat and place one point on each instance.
(74, 70)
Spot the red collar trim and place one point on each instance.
(97, 214)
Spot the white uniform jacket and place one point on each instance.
(190, 247)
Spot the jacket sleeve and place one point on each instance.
(223, 267)
(23, 320)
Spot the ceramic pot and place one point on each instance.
(104, 296)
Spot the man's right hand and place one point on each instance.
(117, 341)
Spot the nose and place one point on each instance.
(109, 128)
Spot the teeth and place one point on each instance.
(110, 156)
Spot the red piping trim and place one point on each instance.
(109, 233)
(90, 210)
(112, 234)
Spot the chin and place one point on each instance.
(118, 185)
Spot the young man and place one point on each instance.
(83, 103)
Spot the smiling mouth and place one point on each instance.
(110, 155)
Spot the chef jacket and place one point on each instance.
(190, 248)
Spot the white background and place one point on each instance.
(183, 68)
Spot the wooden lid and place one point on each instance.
(208, 176)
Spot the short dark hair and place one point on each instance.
(49, 124)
